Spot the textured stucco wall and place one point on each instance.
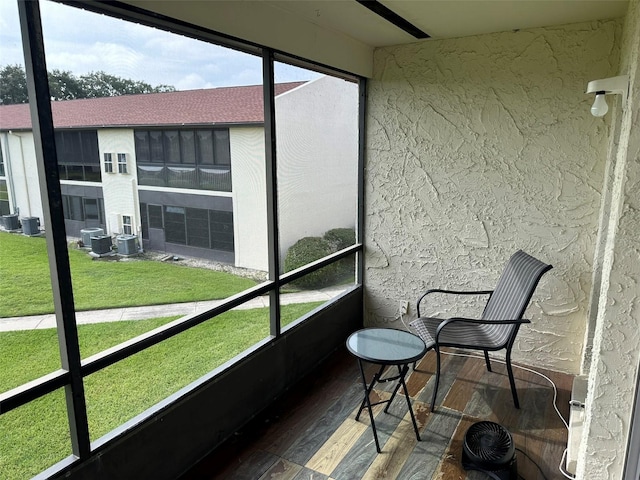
(477, 147)
(616, 346)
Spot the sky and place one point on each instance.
(82, 42)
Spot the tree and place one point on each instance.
(101, 84)
(13, 85)
(64, 85)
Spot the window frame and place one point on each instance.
(122, 163)
(127, 225)
(71, 378)
(108, 162)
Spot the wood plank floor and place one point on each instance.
(312, 432)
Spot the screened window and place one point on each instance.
(93, 209)
(191, 158)
(197, 231)
(155, 216)
(78, 156)
(82, 209)
(174, 223)
(73, 207)
(4, 198)
(195, 227)
(2, 174)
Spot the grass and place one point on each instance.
(36, 436)
(25, 285)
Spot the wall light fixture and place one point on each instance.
(607, 86)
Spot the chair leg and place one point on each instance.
(486, 360)
(435, 387)
(512, 381)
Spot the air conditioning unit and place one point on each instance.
(87, 233)
(30, 225)
(127, 244)
(101, 244)
(11, 222)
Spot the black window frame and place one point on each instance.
(71, 378)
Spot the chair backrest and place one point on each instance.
(515, 287)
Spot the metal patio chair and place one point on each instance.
(500, 321)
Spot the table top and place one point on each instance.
(386, 346)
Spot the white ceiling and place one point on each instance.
(445, 18)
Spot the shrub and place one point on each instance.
(340, 238)
(307, 250)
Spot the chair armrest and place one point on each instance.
(454, 292)
(449, 321)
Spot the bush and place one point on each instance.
(340, 238)
(305, 251)
(310, 249)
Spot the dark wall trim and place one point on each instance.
(392, 17)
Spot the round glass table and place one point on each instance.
(385, 347)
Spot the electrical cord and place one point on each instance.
(555, 404)
(555, 400)
(532, 461)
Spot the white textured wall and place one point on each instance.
(248, 175)
(616, 347)
(317, 142)
(119, 190)
(477, 147)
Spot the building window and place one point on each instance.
(2, 174)
(78, 155)
(81, 209)
(195, 227)
(4, 199)
(186, 158)
(108, 163)
(93, 210)
(126, 225)
(122, 163)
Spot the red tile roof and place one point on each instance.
(225, 105)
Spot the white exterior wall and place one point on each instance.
(21, 173)
(616, 347)
(248, 174)
(317, 141)
(480, 146)
(119, 190)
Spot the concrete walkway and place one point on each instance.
(154, 311)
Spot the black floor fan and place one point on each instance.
(488, 447)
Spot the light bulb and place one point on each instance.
(599, 107)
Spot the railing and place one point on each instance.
(216, 178)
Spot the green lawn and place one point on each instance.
(25, 285)
(36, 435)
